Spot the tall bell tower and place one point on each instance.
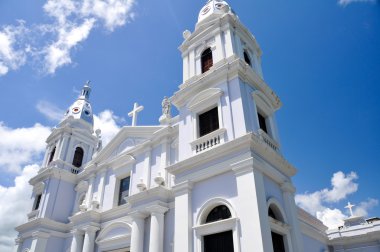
(229, 136)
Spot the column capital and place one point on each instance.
(138, 215)
(19, 240)
(77, 231)
(183, 187)
(288, 187)
(90, 229)
(157, 209)
(102, 171)
(243, 167)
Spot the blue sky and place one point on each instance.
(321, 57)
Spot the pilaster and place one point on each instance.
(102, 174)
(183, 220)
(156, 242)
(90, 191)
(256, 234)
(39, 241)
(291, 211)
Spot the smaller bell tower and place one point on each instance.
(70, 146)
(72, 143)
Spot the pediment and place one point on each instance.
(207, 96)
(127, 138)
(115, 235)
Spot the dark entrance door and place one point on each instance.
(220, 242)
(278, 242)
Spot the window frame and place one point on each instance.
(202, 229)
(119, 190)
(202, 55)
(37, 202)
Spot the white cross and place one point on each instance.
(133, 113)
(350, 206)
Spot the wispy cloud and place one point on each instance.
(50, 110)
(347, 2)
(319, 202)
(51, 44)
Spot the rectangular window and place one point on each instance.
(37, 202)
(124, 190)
(262, 123)
(208, 121)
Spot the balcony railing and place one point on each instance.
(208, 141)
(269, 140)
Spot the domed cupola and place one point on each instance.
(81, 108)
(212, 9)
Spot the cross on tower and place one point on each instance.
(133, 113)
(350, 206)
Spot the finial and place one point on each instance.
(350, 206)
(86, 90)
(87, 83)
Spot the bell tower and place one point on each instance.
(223, 95)
(70, 146)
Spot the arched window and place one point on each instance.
(218, 213)
(277, 239)
(78, 157)
(218, 242)
(51, 155)
(247, 59)
(206, 60)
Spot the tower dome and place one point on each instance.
(213, 8)
(81, 108)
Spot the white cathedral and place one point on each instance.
(211, 179)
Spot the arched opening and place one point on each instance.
(247, 59)
(206, 59)
(78, 157)
(277, 239)
(52, 153)
(218, 242)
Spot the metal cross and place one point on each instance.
(350, 206)
(133, 113)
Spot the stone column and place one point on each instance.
(137, 237)
(101, 186)
(291, 212)
(90, 191)
(89, 238)
(183, 220)
(252, 210)
(39, 241)
(77, 241)
(156, 242)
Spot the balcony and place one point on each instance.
(268, 140)
(208, 141)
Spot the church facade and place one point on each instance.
(211, 179)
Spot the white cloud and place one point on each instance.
(11, 56)
(15, 202)
(51, 111)
(51, 44)
(21, 146)
(347, 2)
(106, 121)
(319, 203)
